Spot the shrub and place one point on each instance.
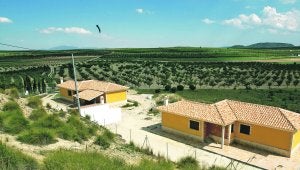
(192, 87)
(14, 159)
(157, 91)
(34, 102)
(48, 106)
(61, 113)
(13, 92)
(105, 139)
(11, 106)
(50, 121)
(83, 131)
(180, 87)
(37, 114)
(167, 87)
(102, 141)
(188, 163)
(13, 122)
(173, 89)
(67, 132)
(37, 136)
(157, 165)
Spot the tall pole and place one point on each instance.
(76, 85)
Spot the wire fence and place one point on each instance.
(174, 151)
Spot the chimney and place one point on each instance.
(166, 101)
(61, 80)
(101, 100)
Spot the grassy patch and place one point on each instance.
(38, 113)
(105, 139)
(34, 101)
(131, 103)
(11, 159)
(37, 137)
(188, 163)
(11, 106)
(70, 160)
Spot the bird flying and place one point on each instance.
(99, 29)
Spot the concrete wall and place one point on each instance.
(116, 97)
(102, 114)
(181, 124)
(265, 136)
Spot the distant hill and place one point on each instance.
(64, 47)
(266, 45)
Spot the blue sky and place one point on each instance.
(148, 23)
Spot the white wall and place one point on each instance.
(102, 114)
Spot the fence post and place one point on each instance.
(129, 135)
(167, 151)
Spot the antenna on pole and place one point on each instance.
(76, 85)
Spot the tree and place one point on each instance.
(173, 89)
(168, 87)
(192, 87)
(180, 87)
(44, 86)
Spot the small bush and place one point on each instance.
(173, 89)
(61, 113)
(13, 122)
(50, 122)
(105, 139)
(37, 114)
(192, 87)
(188, 163)
(48, 106)
(157, 91)
(14, 159)
(11, 106)
(13, 92)
(67, 132)
(180, 87)
(34, 102)
(37, 136)
(102, 141)
(168, 87)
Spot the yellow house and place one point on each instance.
(93, 91)
(266, 127)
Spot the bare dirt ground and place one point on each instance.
(145, 130)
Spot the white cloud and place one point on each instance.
(244, 21)
(208, 21)
(5, 20)
(288, 1)
(289, 20)
(69, 30)
(139, 10)
(270, 18)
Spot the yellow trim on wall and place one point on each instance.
(296, 139)
(64, 92)
(116, 97)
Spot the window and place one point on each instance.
(69, 93)
(232, 128)
(245, 129)
(194, 125)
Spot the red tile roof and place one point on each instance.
(226, 112)
(93, 85)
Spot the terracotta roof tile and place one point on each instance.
(93, 85)
(226, 112)
(88, 94)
